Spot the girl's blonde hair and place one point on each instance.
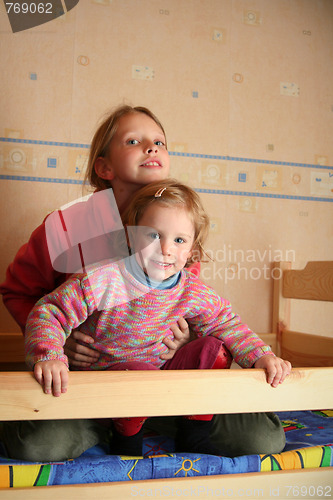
(174, 194)
(103, 137)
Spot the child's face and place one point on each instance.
(164, 240)
(137, 153)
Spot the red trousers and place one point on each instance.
(205, 353)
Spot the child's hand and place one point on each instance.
(181, 336)
(277, 369)
(52, 374)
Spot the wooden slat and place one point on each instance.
(154, 393)
(285, 484)
(314, 282)
(303, 349)
(281, 306)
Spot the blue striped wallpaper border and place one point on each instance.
(199, 190)
(45, 143)
(39, 179)
(253, 160)
(181, 154)
(175, 153)
(263, 195)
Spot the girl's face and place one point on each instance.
(163, 240)
(137, 153)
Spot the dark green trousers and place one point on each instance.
(58, 440)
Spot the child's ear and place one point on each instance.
(103, 169)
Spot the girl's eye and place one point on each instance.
(159, 143)
(179, 240)
(133, 142)
(154, 236)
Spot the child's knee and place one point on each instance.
(49, 440)
(214, 353)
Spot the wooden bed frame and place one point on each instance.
(93, 395)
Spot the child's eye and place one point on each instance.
(154, 236)
(159, 143)
(133, 142)
(180, 240)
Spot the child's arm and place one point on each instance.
(54, 317)
(52, 375)
(28, 278)
(215, 317)
(277, 369)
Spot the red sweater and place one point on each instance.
(82, 234)
(29, 277)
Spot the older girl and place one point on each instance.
(128, 151)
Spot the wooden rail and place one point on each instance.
(154, 393)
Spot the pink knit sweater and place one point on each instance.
(129, 320)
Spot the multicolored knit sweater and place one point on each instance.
(128, 320)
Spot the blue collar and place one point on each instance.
(137, 272)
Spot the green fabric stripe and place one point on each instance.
(326, 457)
(43, 476)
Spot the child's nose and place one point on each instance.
(166, 247)
(151, 148)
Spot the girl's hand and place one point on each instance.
(277, 369)
(79, 355)
(52, 374)
(181, 336)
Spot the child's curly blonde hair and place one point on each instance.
(174, 194)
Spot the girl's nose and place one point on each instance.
(151, 148)
(165, 247)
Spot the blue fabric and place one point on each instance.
(307, 428)
(107, 468)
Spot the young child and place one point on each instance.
(129, 306)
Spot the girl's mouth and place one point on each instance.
(163, 265)
(151, 164)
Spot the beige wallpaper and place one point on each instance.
(245, 92)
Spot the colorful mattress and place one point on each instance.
(309, 444)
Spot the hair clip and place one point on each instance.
(159, 192)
